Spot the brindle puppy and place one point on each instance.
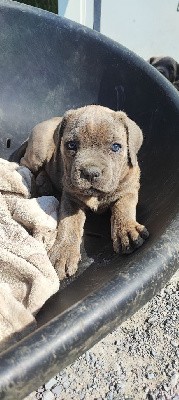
(90, 155)
(168, 67)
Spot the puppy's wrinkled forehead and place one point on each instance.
(93, 123)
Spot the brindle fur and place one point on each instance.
(90, 177)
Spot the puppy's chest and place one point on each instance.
(93, 203)
(99, 204)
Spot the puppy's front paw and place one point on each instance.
(128, 236)
(64, 257)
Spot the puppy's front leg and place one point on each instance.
(127, 234)
(65, 253)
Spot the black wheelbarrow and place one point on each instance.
(49, 65)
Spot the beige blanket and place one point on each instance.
(27, 230)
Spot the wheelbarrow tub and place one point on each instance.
(47, 66)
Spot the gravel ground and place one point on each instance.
(137, 361)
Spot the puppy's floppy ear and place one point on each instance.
(68, 116)
(68, 119)
(41, 144)
(134, 136)
(19, 153)
(151, 60)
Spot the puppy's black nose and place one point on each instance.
(91, 173)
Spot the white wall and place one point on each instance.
(77, 10)
(148, 27)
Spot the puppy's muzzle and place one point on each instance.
(90, 173)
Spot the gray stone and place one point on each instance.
(110, 395)
(87, 356)
(38, 396)
(150, 375)
(48, 395)
(174, 343)
(153, 353)
(50, 383)
(153, 328)
(41, 389)
(57, 390)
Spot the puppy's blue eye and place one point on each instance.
(71, 145)
(116, 147)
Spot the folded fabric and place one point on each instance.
(27, 231)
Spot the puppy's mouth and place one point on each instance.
(92, 192)
(89, 180)
(84, 190)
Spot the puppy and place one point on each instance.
(90, 156)
(168, 67)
